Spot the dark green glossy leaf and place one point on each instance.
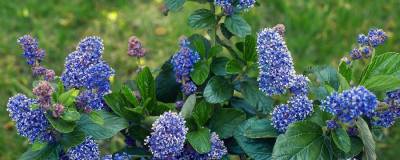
(68, 98)
(302, 140)
(71, 115)
(233, 67)
(255, 97)
(96, 117)
(72, 139)
(146, 86)
(202, 112)
(345, 71)
(249, 53)
(201, 18)
(341, 139)
(200, 140)
(237, 25)
(200, 72)
(218, 90)
(259, 128)
(384, 64)
(112, 125)
(60, 124)
(218, 66)
(174, 5)
(225, 120)
(167, 87)
(260, 149)
(49, 152)
(382, 83)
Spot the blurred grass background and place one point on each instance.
(318, 32)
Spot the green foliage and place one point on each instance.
(225, 120)
(218, 90)
(200, 140)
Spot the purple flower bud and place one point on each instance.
(352, 131)
(58, 110)
(280, 28)
(49, 75)
(32, 52)
(355, 54)
(179, 104)
(188, 88)
(135, 48)
(43, 91)
(38, 70)
(331, 124)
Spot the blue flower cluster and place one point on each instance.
(87, 150)
(299, 85)
(34, 55)
(84, 68)
(183, 62)
(31, 124)
(275, 62)
(32, 52)
(117, 156)
(297, 109)
(245, 4)
(168, 136)
(386, 118)
(229, 5)
(332, 124)
(367, 43)
(218, 150)
(350, 104)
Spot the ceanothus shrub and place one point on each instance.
(216, 98)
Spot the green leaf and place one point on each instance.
(326, 76)
(218, 66)
(71, 115)
(200, 72)
(174, 5)
(188, 106)
(255, 97)
(218, 90)
(250, 48)
(341, 139)
(227, 34)
(259, 128)
(112, 125)
(200, 44)
(301, 140)
(356, 148)
(215, 50)
(96, 117)
(167, 87)
(146, 86)
(68, 98)
(60, 124)
(237, 25)
(243, 105)
(345, 71)
(201, 18)
(343, 83)
(202, 112)
(384, 64)
(34, 106)
(320, 117)
(367, 139)
(200, 140)
(382, 83)
(225, 120)
(49, 152)
(138, 132)
(129, 95)
(72, 139)
(38, 145)
(259, 149)
(233, 67)
(119, 106)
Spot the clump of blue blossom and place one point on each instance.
(367, 43)
(34, 56)
(299, 85)
(351, 104)
(276, 70)
(298, 108)
(30, 123)
(168, 136)
(183, 62)
(85, 68)
(229, 6)
(87, 150)
(117, 156)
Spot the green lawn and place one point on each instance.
(317, 33)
